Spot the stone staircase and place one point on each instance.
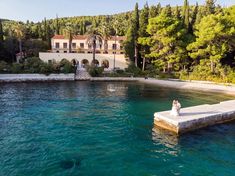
(82, 74)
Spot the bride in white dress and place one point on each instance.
(175, 108)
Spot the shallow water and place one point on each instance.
(81, 128)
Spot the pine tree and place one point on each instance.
(166, 41)
(213, 39)
(1, 31)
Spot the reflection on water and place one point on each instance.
(166, 138)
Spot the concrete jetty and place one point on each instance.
(196, 117)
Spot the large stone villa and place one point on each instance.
(81, 51)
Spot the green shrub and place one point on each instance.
(221, 74)
(136, 71)
(4, 67)
(174, 75)
(66, 66)
(151, 71)
(33, 65)
(95, 71)
(46, 68)
(17, 68)
(183, 75)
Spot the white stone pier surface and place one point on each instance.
(35, 77)
(196, 117)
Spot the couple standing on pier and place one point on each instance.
(175, 111)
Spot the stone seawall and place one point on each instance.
(35, 77)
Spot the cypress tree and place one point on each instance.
(131, 44)
(44, 29)
(194, 17)
(40, 31)
(144, 16)
(177, 12)
(210, 7)
(219, 10)
(186, 14)
(153, 11)
(136, 27)
(167, 10)
(159, 8)
(57, 25)
(1, 31)
(199, 16)
(81, 28)
(84, 27)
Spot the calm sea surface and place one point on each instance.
(81, 128)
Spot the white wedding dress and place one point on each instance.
(174, 111)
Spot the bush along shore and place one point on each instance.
(36, 65)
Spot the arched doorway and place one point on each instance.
(74, 62)
(95, 62)
(105, 63)
(84, 63)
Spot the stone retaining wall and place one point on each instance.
(35, 77)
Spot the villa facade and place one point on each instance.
(60, 44)
(110, 52)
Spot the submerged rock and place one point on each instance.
(69, 164)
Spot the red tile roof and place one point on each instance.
(58, 37)
(83, 37)
(80, 37)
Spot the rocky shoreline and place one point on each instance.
(177, 84)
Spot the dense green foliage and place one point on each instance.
(35, 65)
(196, 40)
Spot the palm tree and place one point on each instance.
(116, 26)
(94, 39)
(18, 32)
(104, 31)
(69, 33)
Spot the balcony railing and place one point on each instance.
(80, 50)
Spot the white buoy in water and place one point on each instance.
(111, 88)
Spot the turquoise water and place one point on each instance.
(80, 128)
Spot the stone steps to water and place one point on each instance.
(196, 117)
(82, 74)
